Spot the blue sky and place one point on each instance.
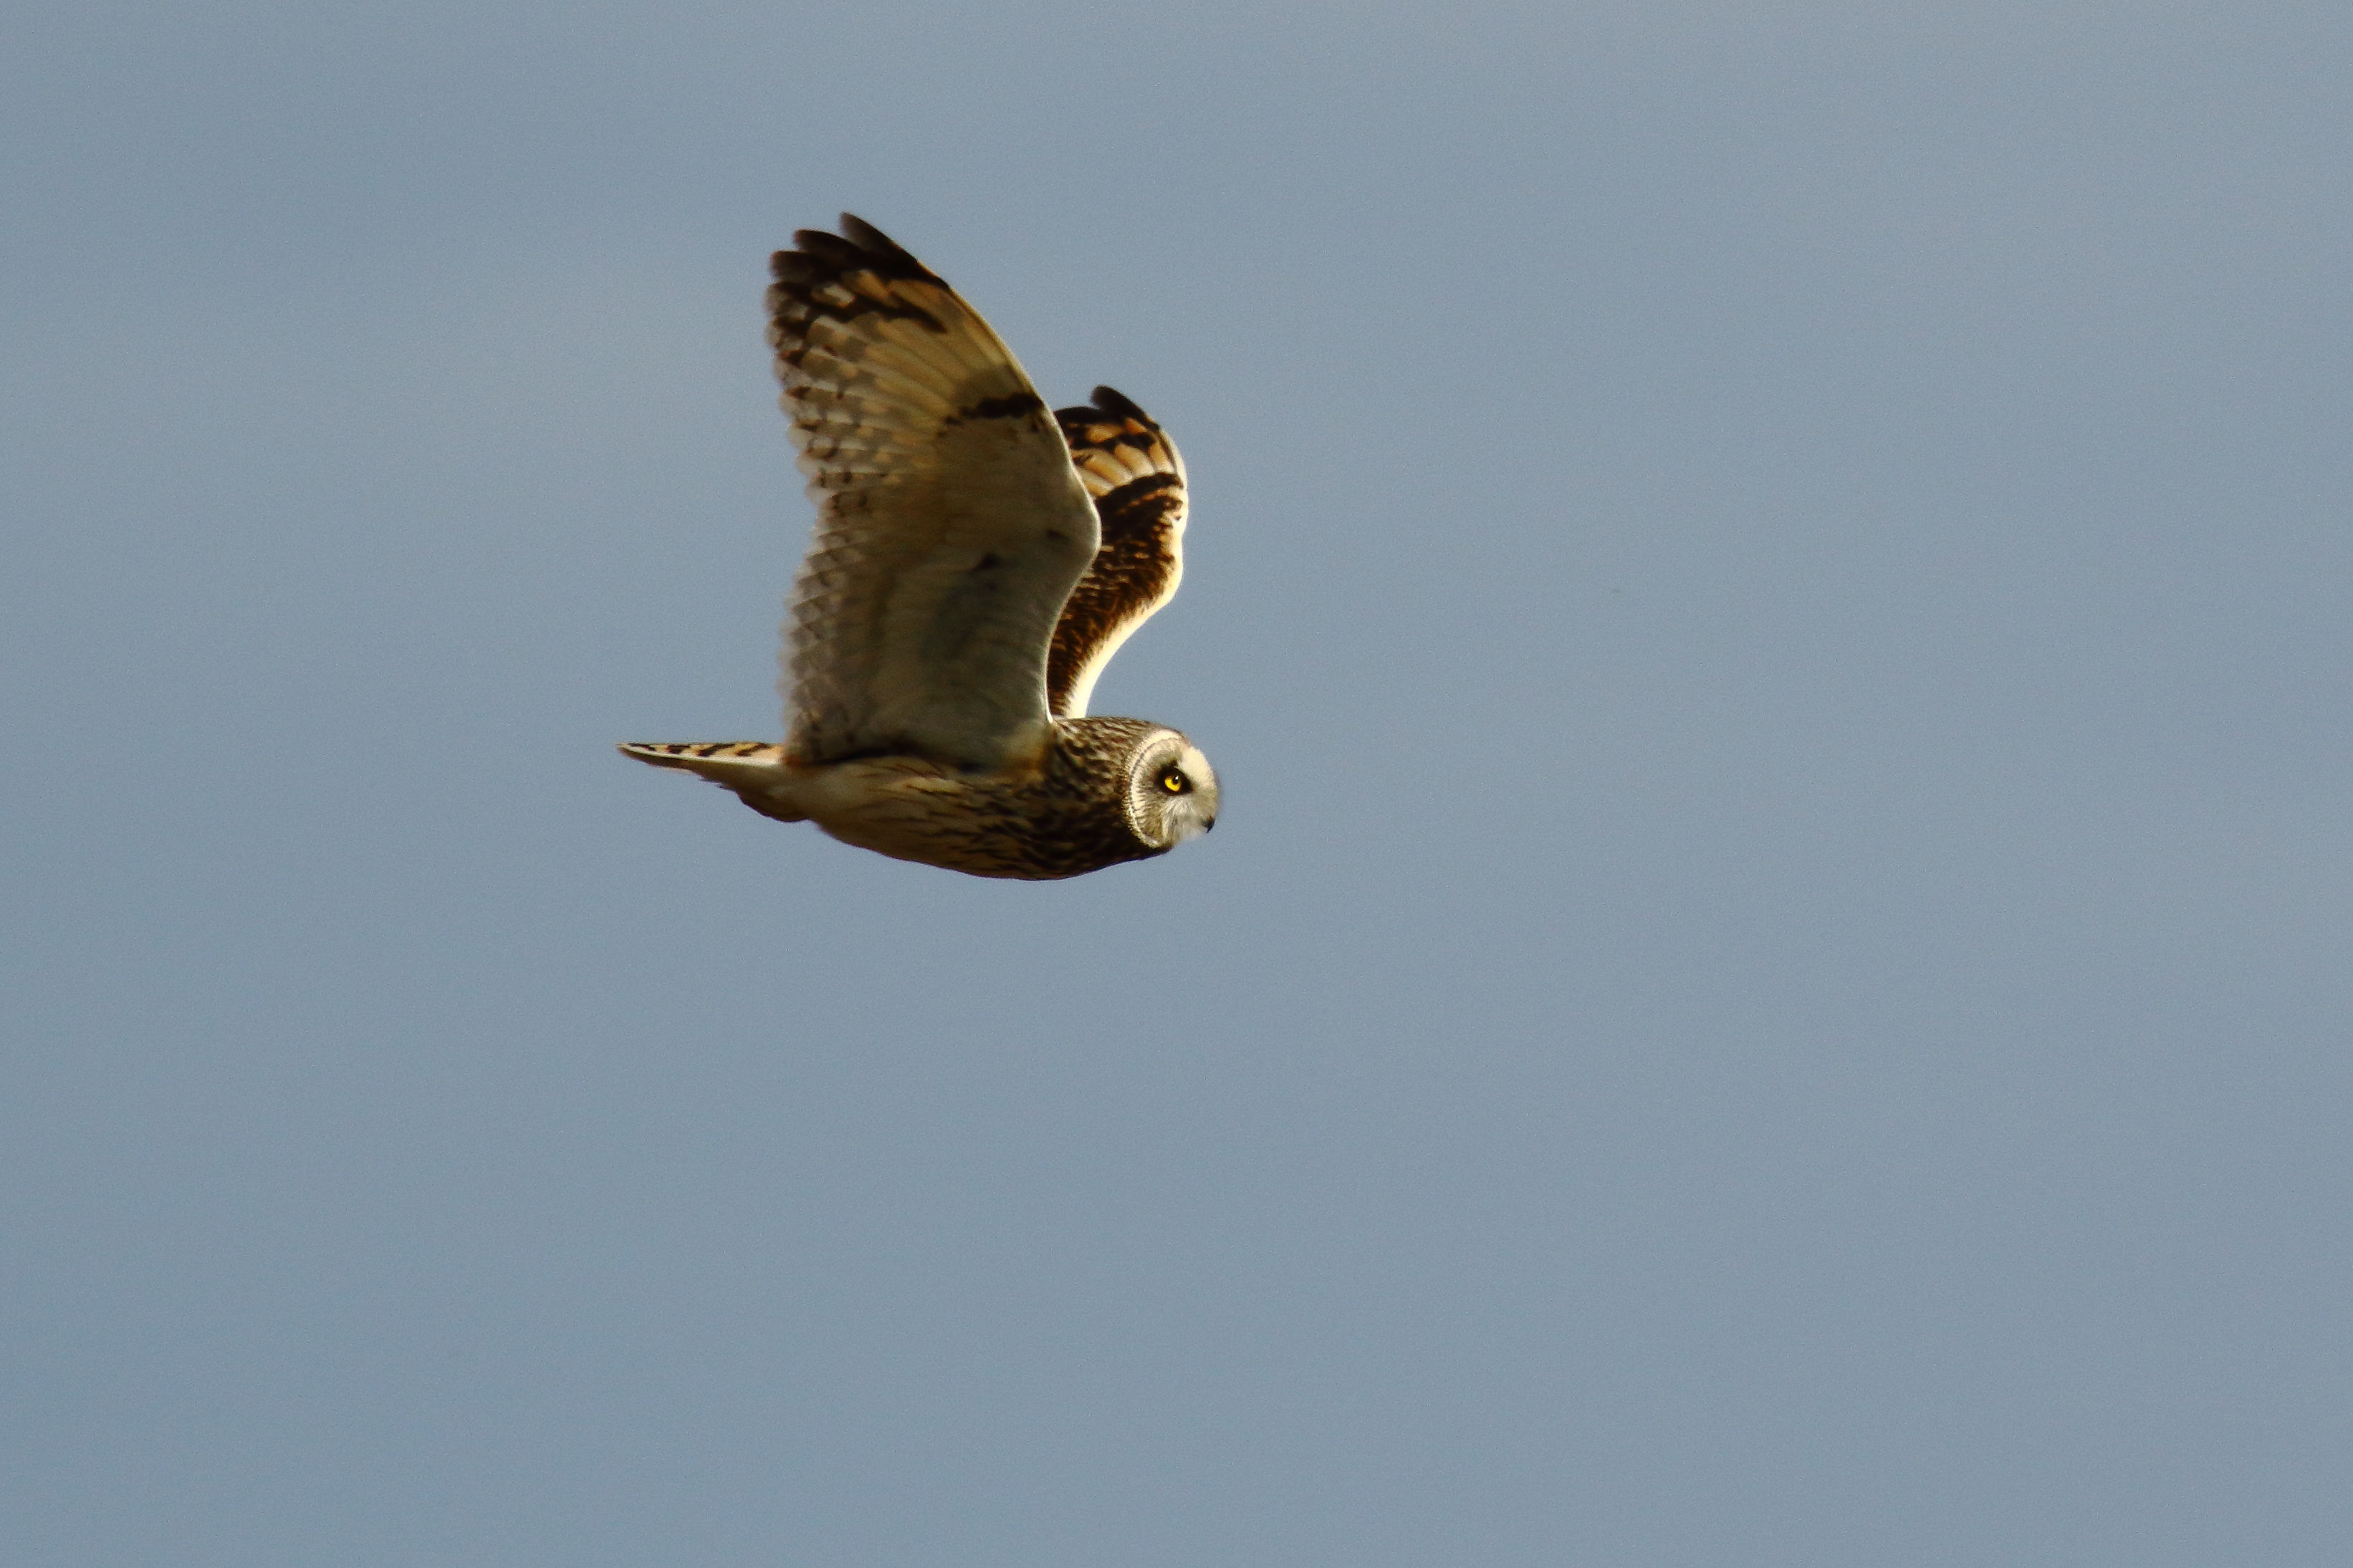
(1768, 590)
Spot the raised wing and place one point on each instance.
(1131, 468)
(951, 525)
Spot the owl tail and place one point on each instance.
(752, 769)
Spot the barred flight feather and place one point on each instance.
(951, 525)
(1136, 479)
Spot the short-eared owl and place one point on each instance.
(976, 563)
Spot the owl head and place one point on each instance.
(1172, 792)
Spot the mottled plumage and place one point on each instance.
(975, 565)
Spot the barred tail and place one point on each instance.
(754, 770)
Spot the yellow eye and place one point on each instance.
(1174, 782)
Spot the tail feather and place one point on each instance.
(712, 759)
(752, 769)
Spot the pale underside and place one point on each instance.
(951, 524)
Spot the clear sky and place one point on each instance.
(1769, 591)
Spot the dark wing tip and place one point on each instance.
(873, 241)
(1110, 406)
(859, 247)
(1112, 401)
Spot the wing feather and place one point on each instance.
(1132, 472)
(951, 523)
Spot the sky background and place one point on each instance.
(1769, 590)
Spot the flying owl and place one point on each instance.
(978, 560)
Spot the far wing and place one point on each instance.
(1131, 468)
(951, 524)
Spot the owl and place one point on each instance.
(978, 560)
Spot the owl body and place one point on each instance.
(1095, 793)
(978, 560)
